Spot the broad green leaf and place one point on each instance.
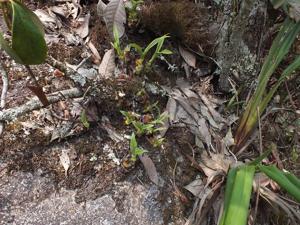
(286, 181)
(27, 35)
(237, 207)
(5, 46)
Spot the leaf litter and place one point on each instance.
(187, 106)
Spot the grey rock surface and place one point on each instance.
(31, 199)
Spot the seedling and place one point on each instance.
(158, 42)
(116, 44)
(144, 127)
(135, 151)
(140, 62)
(84, 119)
(132, 8)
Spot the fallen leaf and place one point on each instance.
(83, 30)
(107, 66)
(97, 57)
(295, 11)
(65, 160)
(150, 168)
(189, 57)
(195, 187)
(101, 8)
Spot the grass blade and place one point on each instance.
(279, 49)
(287, 181)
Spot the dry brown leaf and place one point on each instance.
(150, 168)
(107, 66)
(195, 187)
(83, 30)
(115, 16)
(295, 11)
(188, 56)
(101, 8)
(65, 160)
(95, 53)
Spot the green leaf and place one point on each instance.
(238, 192)
(133, 142)
(280, 47)
(287, 181)
(27, 35)
(228, 191)
(84, 120)
(6, 47)
(166, 52)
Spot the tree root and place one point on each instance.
(34, 104)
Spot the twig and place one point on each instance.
(3, 93)
(34, 103)
(4, 86)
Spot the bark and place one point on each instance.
(240, 40)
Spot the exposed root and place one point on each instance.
(34, 104)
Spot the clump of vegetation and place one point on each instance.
(240, 179)
(185, 21)
(144, 124)
(142, 62)
(132, 8)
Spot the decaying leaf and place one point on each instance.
(188, 56)
(97, 57)
(150, 168)
(195, 187)
(83, 30)
(107, 66)
(195, 110)
(65, 160)
(115, 16)
(295, 11)
(100, 8)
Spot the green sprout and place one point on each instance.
(133, 11)
(135, 151)
(158, 42)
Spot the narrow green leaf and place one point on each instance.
(133, 142)
(261, 157)
(84, 119)
(279, 49)
(166, 52)
(27, 35)
(286, 181)
(292, 178)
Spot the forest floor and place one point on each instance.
(71, 162)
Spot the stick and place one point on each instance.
(34, 103)
(4, 87)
